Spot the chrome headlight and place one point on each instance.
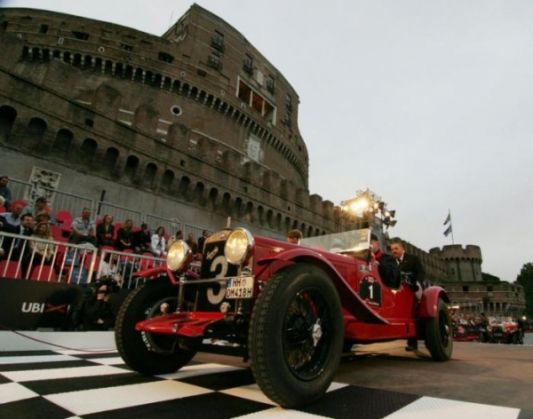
(238, 246)
(178, 255)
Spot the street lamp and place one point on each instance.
(370, 207)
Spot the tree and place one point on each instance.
(525, 278)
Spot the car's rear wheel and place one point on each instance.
(148, 353)
(439, 340)
(296, 335)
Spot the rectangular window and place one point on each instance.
(43, 29)
(126, 47)
(257, 102)
(244, 92)
(166, 58)
(217, 41)
(213, 61)
(465, 288)
(248, 64)
(270, 84)
(80, 35)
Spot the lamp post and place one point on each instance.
(371, 211)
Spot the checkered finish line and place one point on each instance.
(69, 384)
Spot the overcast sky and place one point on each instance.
(427, 103)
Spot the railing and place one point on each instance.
(37, 259)
(58, 200)
(74, 204)
(33, 258)
(170, 225)
(122, 266)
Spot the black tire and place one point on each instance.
(292, 365)
(439, 340)
(144, 352)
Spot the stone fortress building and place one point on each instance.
(194, 125)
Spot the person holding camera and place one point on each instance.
(98, 312)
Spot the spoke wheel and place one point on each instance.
(439, 339)
(296, 335)
(148, 353)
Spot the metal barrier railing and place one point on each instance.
(33, 258)
(122, 266)
(57, 200)
(171, 225)
(119, 213)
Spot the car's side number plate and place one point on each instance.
(370, 290)
(240, 287)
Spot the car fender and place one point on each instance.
(350, 300)
(430, 301)
(155, 273)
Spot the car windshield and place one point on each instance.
(345, 242)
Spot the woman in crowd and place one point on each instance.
(98, 313)
(158, 244)
(40, 253)
(105, 231)
(125, 236)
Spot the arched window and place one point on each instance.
(7, 120)
(226, 199)
(237, 205)
(168, 178)
(269, 219)
(183, 188)
(131, 167)
(36, 129)
(88, 150)
(213, 194)
(149, 175)
(199, 193)
(249, 214)
(110, 158)
(63, 141)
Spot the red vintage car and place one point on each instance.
(289, 309)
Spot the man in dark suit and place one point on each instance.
(413, 272)
(388, 269)
(26, 229)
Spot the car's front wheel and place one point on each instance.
(296, 335)
(439, 340)
(148, 353)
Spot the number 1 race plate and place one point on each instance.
(240, 287)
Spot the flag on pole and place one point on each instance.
(448, 219)
(448, 230)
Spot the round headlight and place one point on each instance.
(238, 246)
(178, 254)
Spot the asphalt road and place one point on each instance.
(495, 374)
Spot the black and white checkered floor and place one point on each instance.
(69, 384)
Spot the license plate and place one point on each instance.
(240, 287)
(498, 335)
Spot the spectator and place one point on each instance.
(98, 312)
(40, 207)
(157, 245)
(387, 266)
(142, 239)
(40, 253)
(191, 243)
(109, 269)
(201, 241)
(83, 229)
(25, 229)
(294, 236)
(105, 232)
(10, 221)
(5, 192)
(125, 236)
(177, 236)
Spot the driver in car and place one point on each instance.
(387, 266)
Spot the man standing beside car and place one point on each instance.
(413, 271)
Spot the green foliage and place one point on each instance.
(525, 278)
(490, 279)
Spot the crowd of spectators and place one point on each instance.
(36, 219)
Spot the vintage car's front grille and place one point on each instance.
(214, 264)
